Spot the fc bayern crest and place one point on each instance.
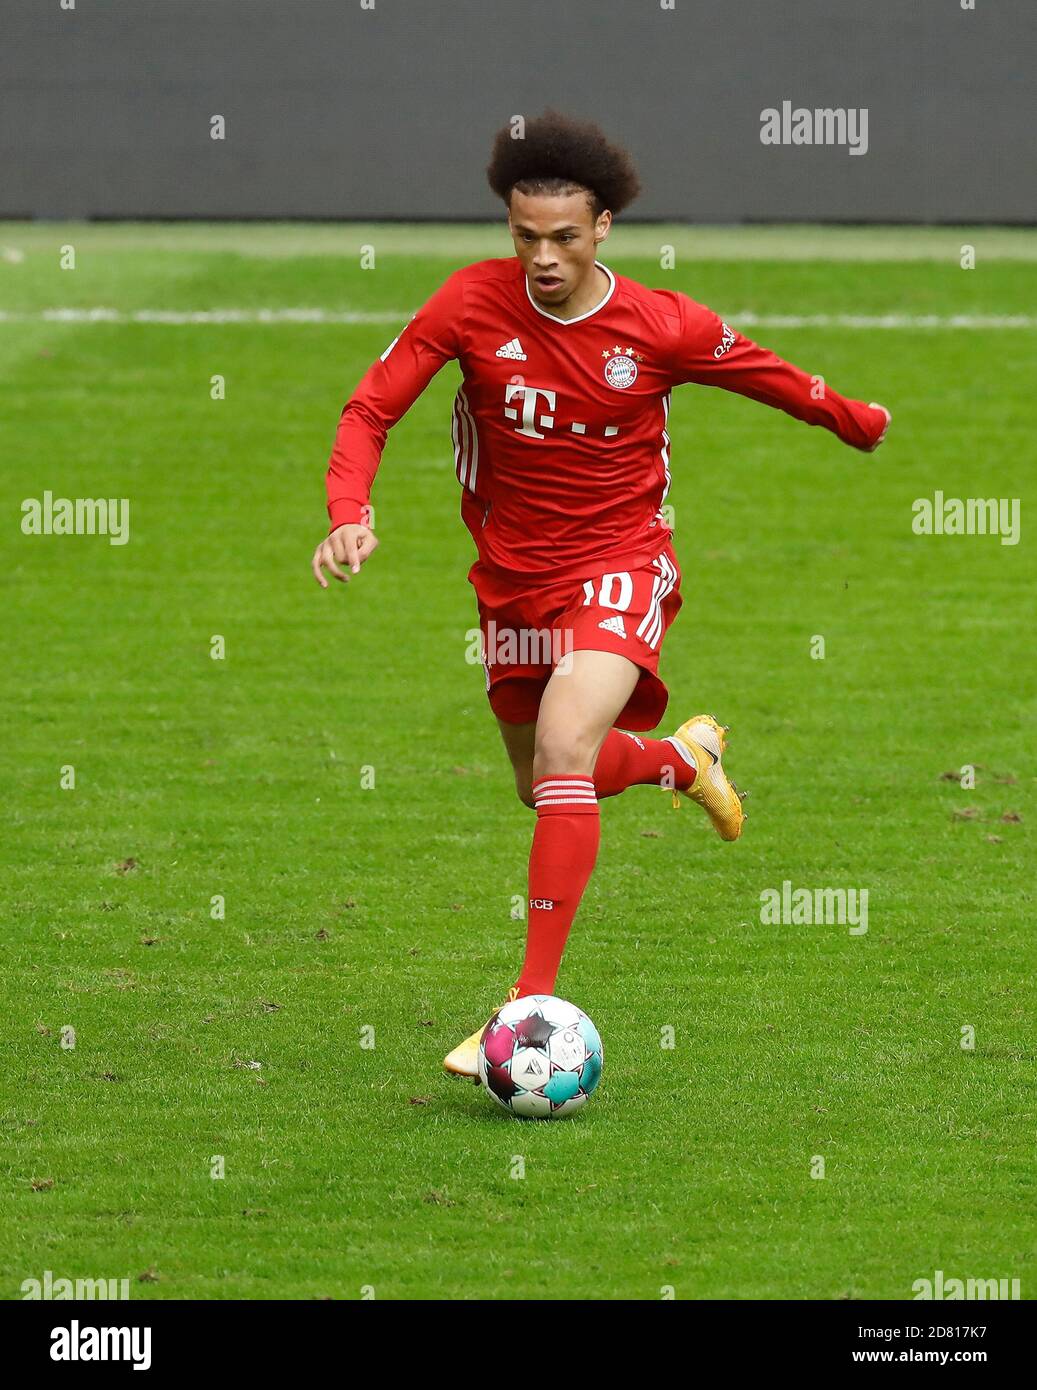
(621, 367)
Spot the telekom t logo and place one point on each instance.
(529, 408)
(530, 419)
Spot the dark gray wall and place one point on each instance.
(334, 111)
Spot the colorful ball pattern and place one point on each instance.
(540, 1057)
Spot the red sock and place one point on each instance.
(565, 846)
(626, 760)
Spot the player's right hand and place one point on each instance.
(347, 545)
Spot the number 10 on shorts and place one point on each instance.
(605, 596)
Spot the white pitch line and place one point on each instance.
(322, 317)
(886, 320)
(202, 316)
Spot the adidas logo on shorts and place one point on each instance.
(614, 624)
(512, 350)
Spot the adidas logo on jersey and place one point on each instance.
(614, 624)
(512, 350)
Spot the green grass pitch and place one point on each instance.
(389, 908)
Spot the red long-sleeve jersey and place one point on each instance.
(559, 427)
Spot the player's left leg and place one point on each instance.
(630, 613)
(651, 600)
(624, 760)
(519, 742)
(632, 760)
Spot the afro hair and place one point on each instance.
(557, 154)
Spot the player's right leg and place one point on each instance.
(519, 742)
(575, 714)
(463, 1060)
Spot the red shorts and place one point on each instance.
(528, 631)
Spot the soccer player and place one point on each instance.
(561, 451)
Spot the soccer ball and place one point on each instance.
(540, 1057)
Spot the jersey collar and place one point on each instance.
(564, 323)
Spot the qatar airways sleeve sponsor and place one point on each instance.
(709, 352)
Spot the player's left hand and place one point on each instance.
(874, 405)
